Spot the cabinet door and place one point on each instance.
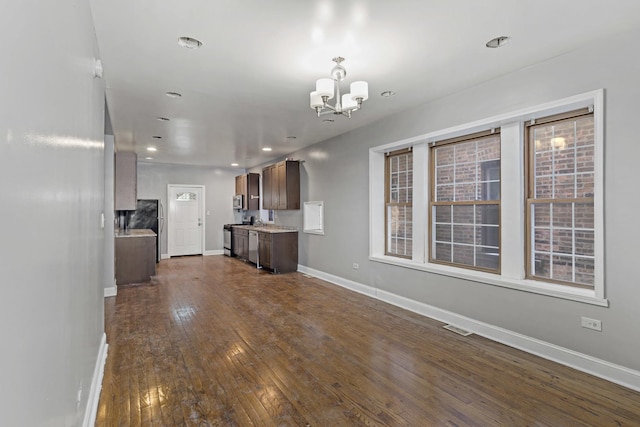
(253, 191)
(238, 185)
(126, 181)
(293, 184)
(281, 184)
(266, 188)
(264, 250)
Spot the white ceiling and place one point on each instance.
(248, 86)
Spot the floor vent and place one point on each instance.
(457, 330)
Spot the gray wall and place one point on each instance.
(52, 192)
(220, 187)
(336, 171)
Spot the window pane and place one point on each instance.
(585, 185)
(463, 254)
(442, 252)
(488, 214)
(562, 214)
(585, 271)
(542, 265)
(488, 259)
(443, 232)
(584, 131)
(583, 214)
(186, 196)
(541, 215)
(467, 172)
(584, 242)
(570, 236)
(488, 149)
(399, 231)
(463, 234)
(562, 268)
(564, 187)
(442, 213)
(444, 175)
(465, 193)
(399, 196)
(562, 238)
(463, 214)
(444, 155)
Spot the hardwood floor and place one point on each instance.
(213, 341)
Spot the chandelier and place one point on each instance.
(327, 88)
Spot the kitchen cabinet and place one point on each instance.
(278, 252)
(284, 185)
(126, 181)
(241, 243)
(267, 183)
(135, 253)
(248, 185)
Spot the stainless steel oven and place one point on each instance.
(228, 240)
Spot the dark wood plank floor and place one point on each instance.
(213, 341)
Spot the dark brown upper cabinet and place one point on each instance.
(248, 185)
(281, 185)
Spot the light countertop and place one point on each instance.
(267, 228)
(135, 233)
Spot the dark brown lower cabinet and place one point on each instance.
(241, 243)
(278, 252)
(135, 258)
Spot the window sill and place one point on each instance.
(549, 289)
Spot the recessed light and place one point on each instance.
(173, 94)
(162, 119)
(156, 137)
(189, 42)
(148, 158)
(498, 42)
(234, 164)
(387, 93)
(152, 149)
(266, 149)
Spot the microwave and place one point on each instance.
(237, 201)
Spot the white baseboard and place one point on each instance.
(214, 252)
(164, 256)
(617, 374)
(111, 291)
(91, 410)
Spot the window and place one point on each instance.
(465, 202)
(186, 196)
(520, 206)
(398, 200)
(560, 199)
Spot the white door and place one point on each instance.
(186, 228)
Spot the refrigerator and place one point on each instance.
(149, 214)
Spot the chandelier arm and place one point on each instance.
(338, 97)
(325, 113)
(330, 107)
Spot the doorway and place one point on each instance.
(185, 221)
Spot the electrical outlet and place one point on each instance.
(589, 323)
(356, 266)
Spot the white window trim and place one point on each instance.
(512, 201)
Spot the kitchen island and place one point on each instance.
(270, 247)
(135, 256)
